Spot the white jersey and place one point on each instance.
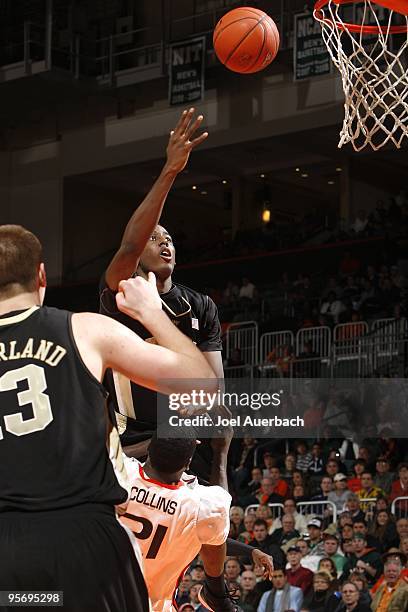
(171, 523)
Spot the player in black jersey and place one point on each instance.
(147, 247)
(58, 528)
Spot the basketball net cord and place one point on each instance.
(374, 77)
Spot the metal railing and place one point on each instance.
(399, 507)
(314, 507)
(320, 339)
(277, 509)
(273, 344)
(243, 337)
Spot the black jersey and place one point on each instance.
(53, 450)
(196, 315)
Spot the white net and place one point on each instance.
(372, 59)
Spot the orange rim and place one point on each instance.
(361, 29)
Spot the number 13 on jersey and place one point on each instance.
(34, 395)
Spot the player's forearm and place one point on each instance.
(238, 549)
(147, 215)
(168, 336)
(219, 470)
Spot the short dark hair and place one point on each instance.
(360, 520)
(20, 256)
(367, 472)
(261, 522)
(169, 455)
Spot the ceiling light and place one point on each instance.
(330, 182)
(203, 192)
(224, 182)
(266, 215)
(338, 169)
(304, 175)
(194, 187)
(297, 169)
(262, 175)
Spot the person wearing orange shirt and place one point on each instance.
(392, 595)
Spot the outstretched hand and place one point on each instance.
(181, 141)
(261, 559)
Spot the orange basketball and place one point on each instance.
(246, 40)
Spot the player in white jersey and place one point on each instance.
(173, 517)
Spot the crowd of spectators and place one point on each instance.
(388, 218)
(343, 549)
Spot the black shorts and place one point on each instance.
(82, 551)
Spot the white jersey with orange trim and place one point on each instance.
(171, 523)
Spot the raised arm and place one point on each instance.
(147, 215)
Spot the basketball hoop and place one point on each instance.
(371, 57)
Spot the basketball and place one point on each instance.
(246, 40)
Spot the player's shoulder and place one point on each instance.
(196, 297)
(214, 495)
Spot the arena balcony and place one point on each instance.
(104, 46)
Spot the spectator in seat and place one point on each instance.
(360, 526)
(384, 530)
(327, 565)
(183, 589)
(368, 489)
(360, 223)
(266, 494)
(340, 494)
(297, 575)
(197, 572)
(269, 462)
(304, 547)
(349, 449)
(304, 457)
(263, 541)
(193, 595)
(248, 535)
(232, 569)
(314, 527)
(364, 559)
(315, 467)
(321, 598)
(285, 533)
(280, 486)
(290, 466)
(249, 596)
(264, 512)
(332, 468)
(392, 595)
(188, 607)
(354, 483)
(332, 308)
(326, 485)
(399, 488)
(353, 506)
(361, 583)
(331, 547)
(252, 486)
(351, 599)
(289, 508)
(247, 290)
(402, 528)
(236, 521)
(283, 596)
